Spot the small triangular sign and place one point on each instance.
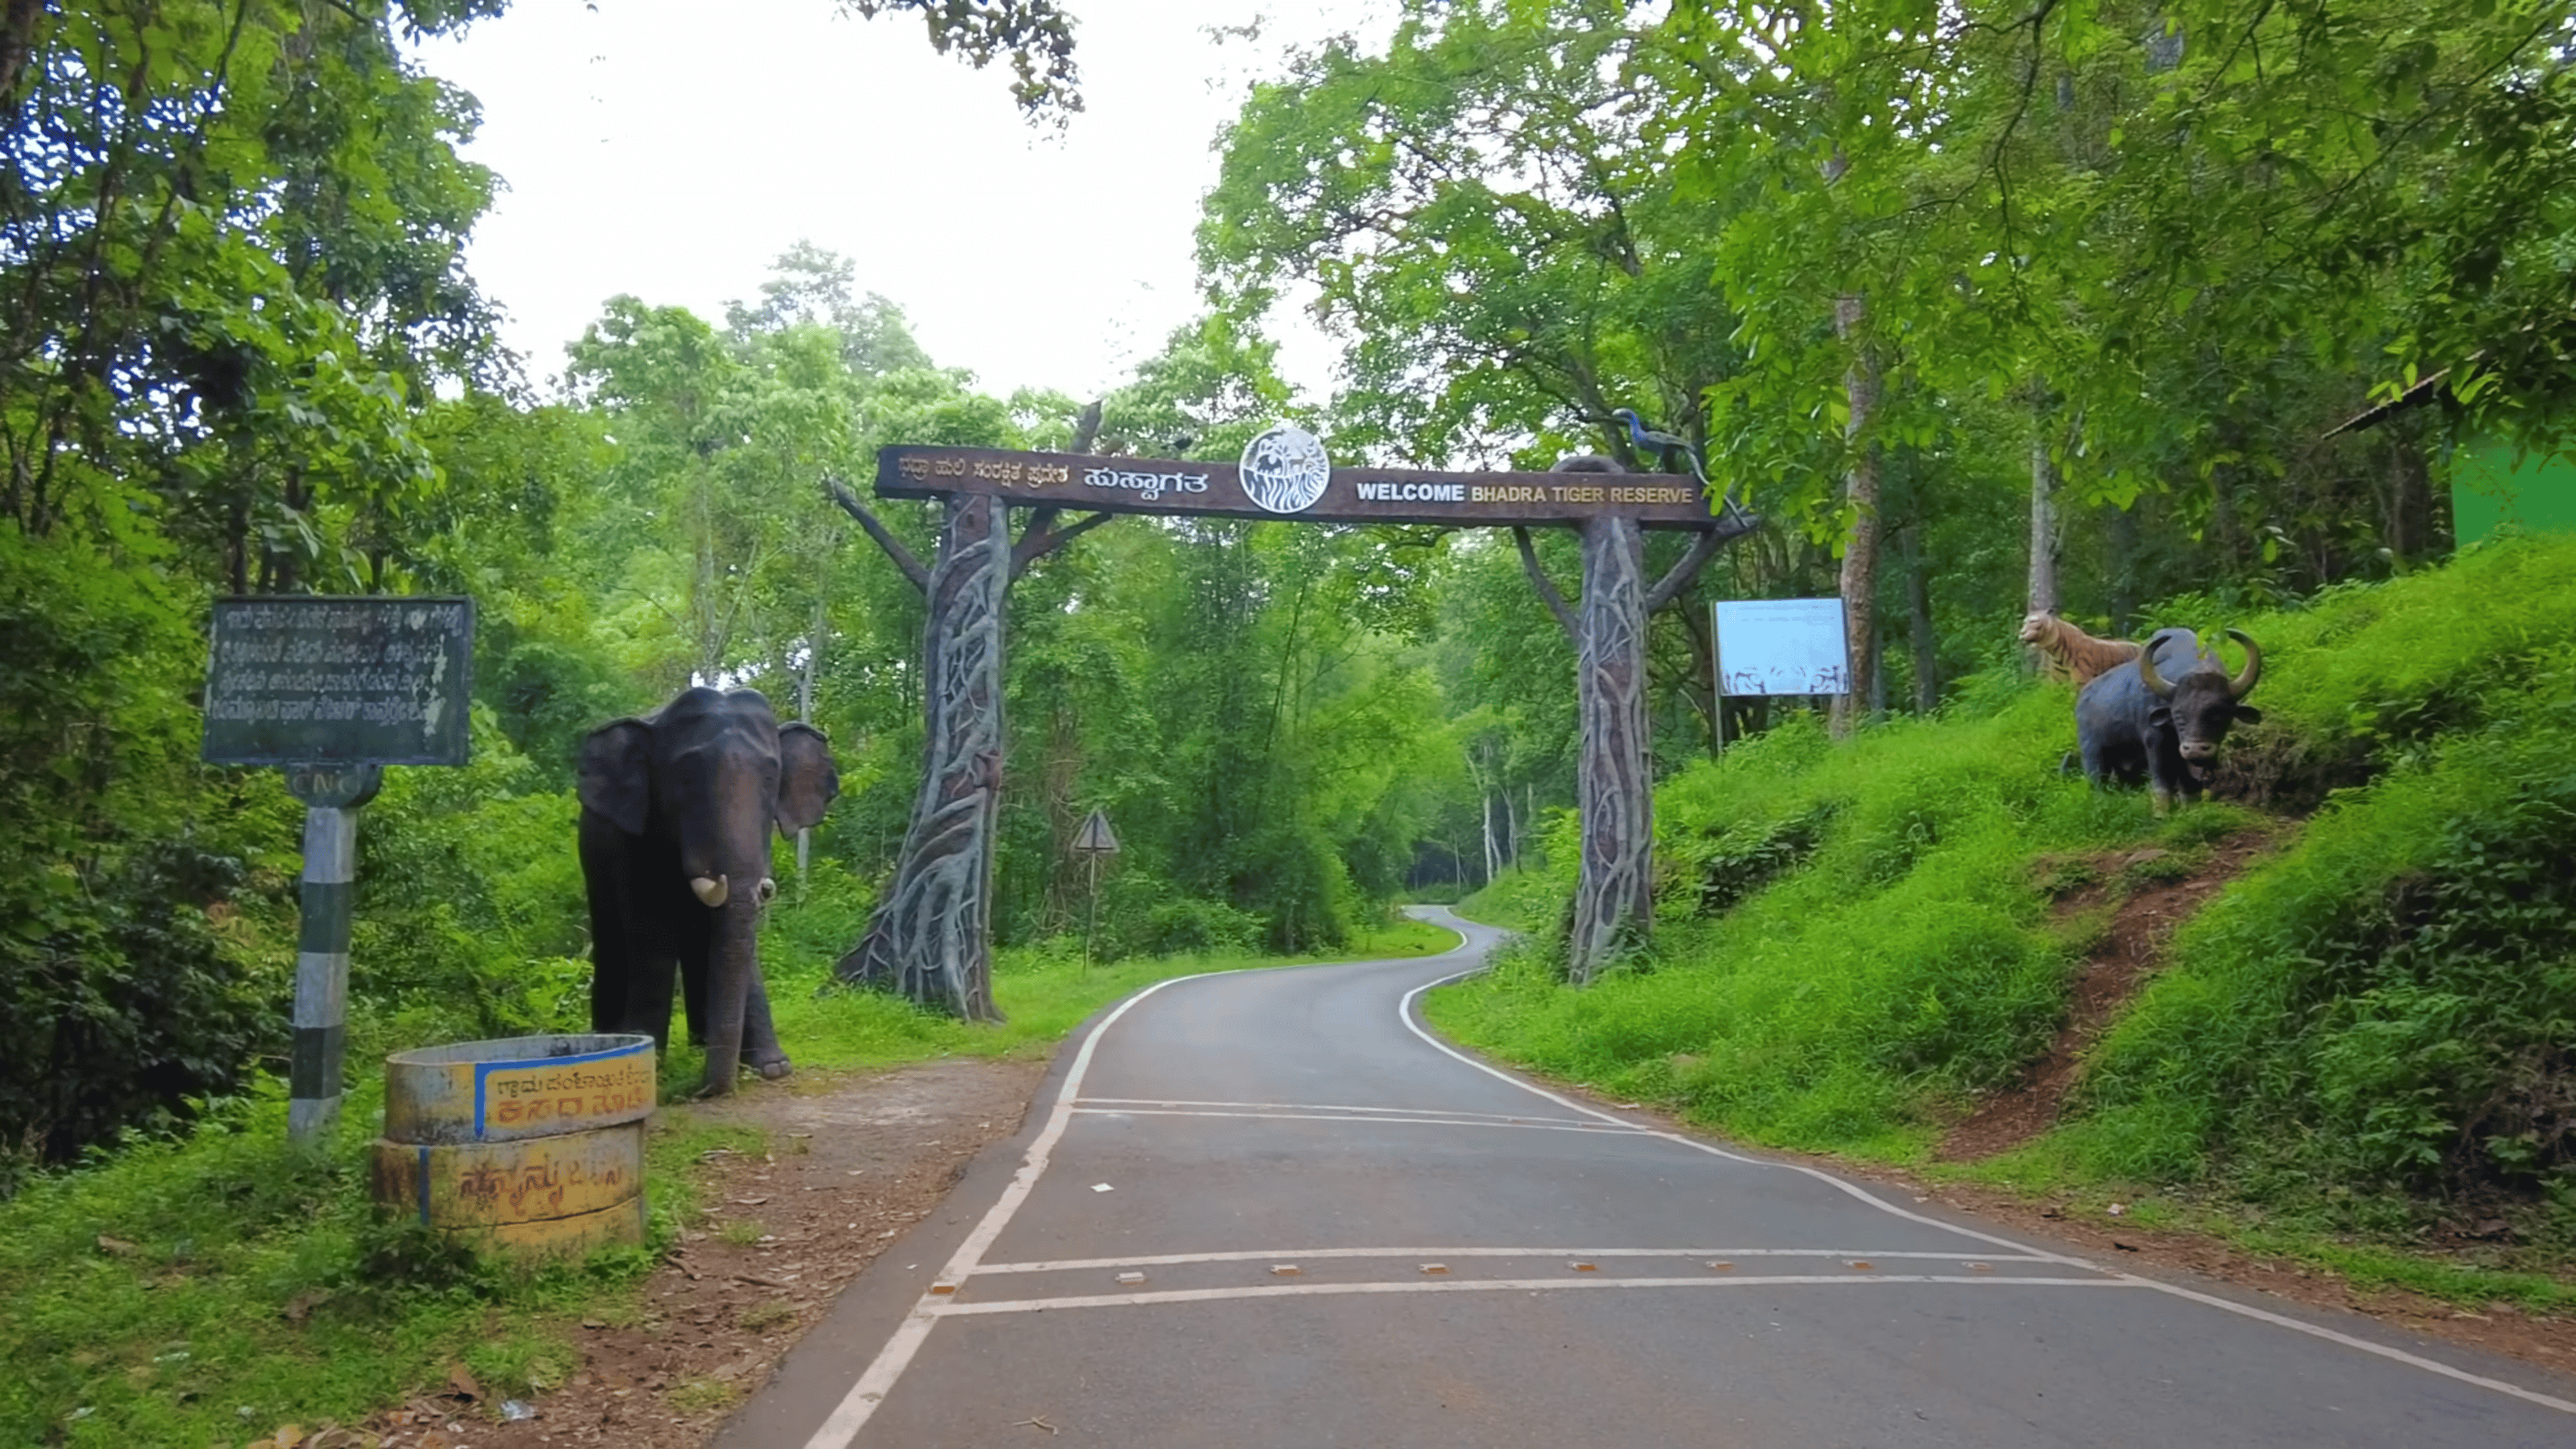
(1094, 837)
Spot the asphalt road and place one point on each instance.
(1270, 1209)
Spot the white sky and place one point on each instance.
(673, 148)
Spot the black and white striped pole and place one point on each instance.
(332, 795)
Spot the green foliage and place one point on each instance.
(1522, 899)
(470, 920)
(127, 995)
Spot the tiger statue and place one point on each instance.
(2067, 652)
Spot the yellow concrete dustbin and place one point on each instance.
(528, 1144)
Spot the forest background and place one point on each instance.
(1985, 307)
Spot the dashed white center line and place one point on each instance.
(1491, 1285)
(1591, 1128)
(1167, 1260)
(1443, 1113)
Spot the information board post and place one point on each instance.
(334, 688)
(331, 796)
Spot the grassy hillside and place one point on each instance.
(2377, 1022)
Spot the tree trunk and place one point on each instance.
(1860, 546)
(805, 712)
(1918, 623)
(1492, 861)
(1705, 695)
(1613, 894)
(2124, 569)
(931, 938)
(2043, 522)
(2410, 513)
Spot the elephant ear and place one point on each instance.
(616, 773)
(807, 778)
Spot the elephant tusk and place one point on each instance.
(710, 891)
(765, 892)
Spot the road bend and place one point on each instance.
(1269, 1208)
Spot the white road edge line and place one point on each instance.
(1290, 1255)
(855, 1408)
(1404, 1013)
(1494, 1285)
(1593, 1129)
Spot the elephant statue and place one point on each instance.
(676, 808)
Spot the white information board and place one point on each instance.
(1781, 646)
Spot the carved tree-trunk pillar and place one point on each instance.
(931, 938)
(1614, 891)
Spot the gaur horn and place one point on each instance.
(2252, 674)
(2147, 673)
(710, 891)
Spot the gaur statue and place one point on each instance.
(2164, 720)
(676, 810)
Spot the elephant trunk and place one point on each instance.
(733, 964)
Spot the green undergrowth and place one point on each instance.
(154, 1295)
(2369, 1038)
(1517, 899)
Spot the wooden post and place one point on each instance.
(332, 795)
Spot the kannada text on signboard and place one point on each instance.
(295, 680)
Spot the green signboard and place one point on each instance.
(325, 679)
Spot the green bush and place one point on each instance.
(1525, 898)
(471, 920)
(1184, 927)
(136, 973)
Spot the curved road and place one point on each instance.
(1320, 1226)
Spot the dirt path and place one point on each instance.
(2146, 907)
(852, 1162)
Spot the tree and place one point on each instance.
(229, 276)
(2160, 211)
(1482, 214)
